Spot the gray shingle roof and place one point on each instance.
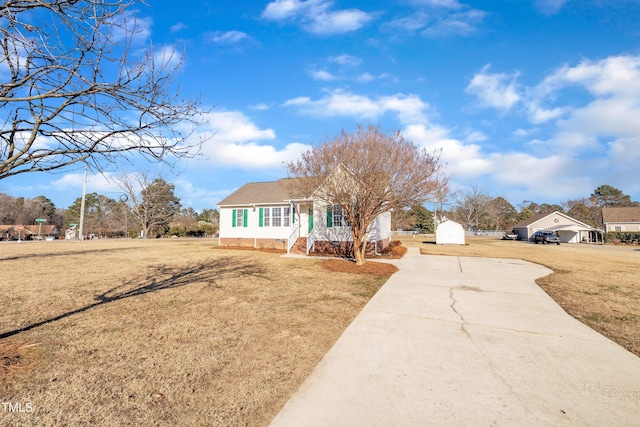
(260, 193)
(530, 220)
(627, 214)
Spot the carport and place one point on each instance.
(577, 234)
(570, 230)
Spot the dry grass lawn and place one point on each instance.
(598, 285)
(163, 332)
(177, 332)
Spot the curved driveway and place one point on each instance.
(466, 341)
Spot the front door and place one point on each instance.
(310, 221)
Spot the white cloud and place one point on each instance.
(615, 75)
(365, 78)
(550, 7)
(463, 160)
(316, 16)
(438, 19)
(130, 27)
(582, 140)
(252, 155)
(346, 60)
(283, 9)
(167, 56)
(176, 28)
(497, 90)
(409, 108)
(461, 23)
(199, 198)
(449, 4)
(235, 141)
(322, 75)
(338, 22)
(262, 106)
(104, 183)
(228, 38)
(610, 107)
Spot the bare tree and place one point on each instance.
(368, 173)
(75, 85)
(153, 202)
(473, 208)
(503, 214)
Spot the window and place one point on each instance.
(267, 217)
(239, 217)
(287, 216)
(336, 216)
(339, 219)
(276, 217)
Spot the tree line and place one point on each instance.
(150, 208)
(477, 210)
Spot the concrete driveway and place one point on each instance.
(468, 342)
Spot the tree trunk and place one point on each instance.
(359, 248)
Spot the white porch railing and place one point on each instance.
(311, 241)
(293, 237)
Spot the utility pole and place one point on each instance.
(84, 191)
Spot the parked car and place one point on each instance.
(545, 237)
(510, 236)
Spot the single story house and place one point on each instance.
(28, 232)
(42, 231)
(621, 219)
(449, 233)
(568, 229)
(267, 215)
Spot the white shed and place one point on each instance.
(449, 233)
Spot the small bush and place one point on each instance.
(622, 237)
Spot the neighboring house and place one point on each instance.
(29, 232)
(266, 215)
(42, 231)
(621, 219)
(449, 233)
(7, 232)
(569, 230)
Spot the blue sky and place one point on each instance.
(528, 99)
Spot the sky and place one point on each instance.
(533, 100)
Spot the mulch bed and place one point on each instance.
(369, 267)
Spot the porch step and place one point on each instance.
(300, 246)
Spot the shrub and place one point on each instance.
(622, 237)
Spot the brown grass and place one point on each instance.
(164, 332)
(598, 285)
(15, 359)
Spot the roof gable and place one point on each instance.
(530, 221)
(626, 214)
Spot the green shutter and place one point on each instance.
(233, 217)
(246, 215)
(293, 210)
(329, 216)
(261, 217)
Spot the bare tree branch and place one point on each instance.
(368, 173)
(72, 90)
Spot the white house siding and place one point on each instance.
(622, 226)
(380, 228)
(252, 233)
